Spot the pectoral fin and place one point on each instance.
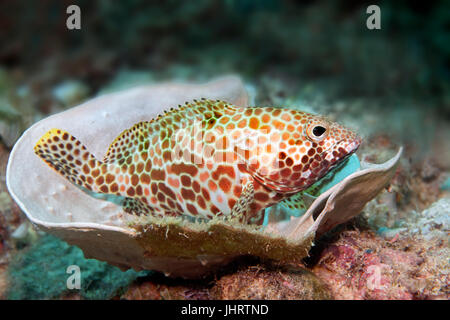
(137, 207)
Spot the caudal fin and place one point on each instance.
(68, 156)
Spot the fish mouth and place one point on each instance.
(343, 149)
(353, 146)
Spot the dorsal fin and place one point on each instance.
(129, 139)
(205, 107)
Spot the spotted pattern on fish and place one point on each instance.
(206, 158)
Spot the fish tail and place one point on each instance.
(69, 157)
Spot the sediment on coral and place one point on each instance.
(177, 238)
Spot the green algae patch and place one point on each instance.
(40, 273)
(175, 237)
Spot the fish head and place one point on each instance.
(301, 149)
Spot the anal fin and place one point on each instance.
(137, 207)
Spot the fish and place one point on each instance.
(206, 159)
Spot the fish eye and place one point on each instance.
(317, 131)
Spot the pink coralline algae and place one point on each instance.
(362, 266)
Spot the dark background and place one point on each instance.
(325, 41)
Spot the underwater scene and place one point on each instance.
(224, 150)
